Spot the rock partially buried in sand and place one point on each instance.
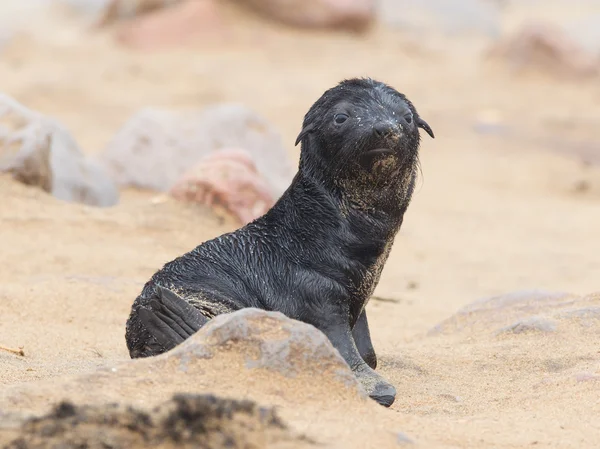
(548, 50)
(523, 312)
(185, 421)
(271, 341)
(531, 324)
(341, 14)
(39, 151)
(156, 147)
(228, 179)
(247, 353)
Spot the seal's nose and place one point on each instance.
(383, 129)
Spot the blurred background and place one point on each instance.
(133, 130)
(120, 107)
(520, 69)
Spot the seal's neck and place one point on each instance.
(383, 192)
(384, 188)
(364, 217)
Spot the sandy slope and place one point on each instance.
(492, 214)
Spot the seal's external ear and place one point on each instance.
(307, 129)
(423, 124)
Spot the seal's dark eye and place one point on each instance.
(408, 118)
(340, 118)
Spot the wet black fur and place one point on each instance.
(316, 255)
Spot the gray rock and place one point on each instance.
(547, 48)
(39, 151)
(531, 324)
(586, 32)
(402, 439)
(587, 377)
(525, 300)
(156, 147)
(442, 16)
(290, 348)
(523, 312)
(91, 8)
(16, 18)
(451, 397)
(586, 316)
(498, 312)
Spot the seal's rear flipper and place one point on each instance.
(171, 319)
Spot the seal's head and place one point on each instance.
(361, 130)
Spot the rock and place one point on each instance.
(185, 421)
(335, 14)
(585, 316)
(276, 343)
(175, 25)
(490, 121)
(546, 49)
(228, 355)
(442, 16)
(119, 10)
(90, 8)
(523, 312)
(39, 151)
(15, 18)
(402, 439)
(450, 397)
(586, 31)
(156, 147)
(587, 377)
(228, 179)
(531, 324)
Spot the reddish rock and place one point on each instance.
(172, 26)
(348, 14)
(228, 179)
(547, 49)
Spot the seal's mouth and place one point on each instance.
(378, 151)
(376, 155)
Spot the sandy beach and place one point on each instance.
(511, 209)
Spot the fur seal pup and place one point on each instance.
(317, 254)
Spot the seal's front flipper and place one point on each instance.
(362, 338)
(374, 384)
(171, 319)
